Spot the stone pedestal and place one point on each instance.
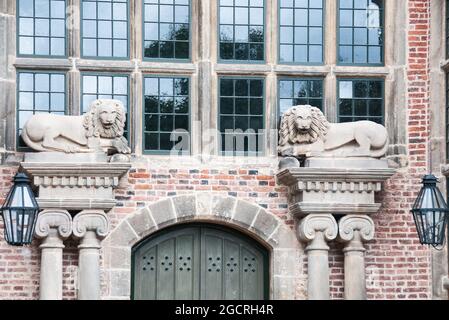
(354, 230)
(52, 226)
(316, 230)
(74, 181)
(335, 187)
(90, 226)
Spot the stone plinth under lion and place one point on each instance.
(305, 132)
(99, 130)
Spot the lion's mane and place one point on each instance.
(289, 133)
(93, 125)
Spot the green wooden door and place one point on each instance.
(193, 262)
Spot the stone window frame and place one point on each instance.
(204, 69)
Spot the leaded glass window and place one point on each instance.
(167, 29)
(293, 92)
(39, 92)
(104, 28)
(361, 100)
(241, 115)
(41, 27)
(361, 32)
(104, 86)
(301, 31)
(166, 115)
(241, 30)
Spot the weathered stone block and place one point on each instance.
(120, 283)
(203, 204)
(120, 257)
(265, 224)
(185, 206)
(286, 262)
(162, 212)
(285, 237)
(122, 236)
(141, 222)
(245, 213)
(223, 207)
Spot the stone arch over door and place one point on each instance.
(287, 280)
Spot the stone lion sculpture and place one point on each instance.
(305, 132)
(99, 130)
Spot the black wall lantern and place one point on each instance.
(20, 212)
(431, 213)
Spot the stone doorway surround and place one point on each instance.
(287, 280)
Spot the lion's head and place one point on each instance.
(302, 124)
(105, 119)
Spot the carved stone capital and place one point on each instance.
(356, 227)
(314, 224)
(91, 220)
(58, 220)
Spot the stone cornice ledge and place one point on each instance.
(290, 176)
(304, 208)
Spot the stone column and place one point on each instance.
(90, 226)
(316, 230)
(354, 230)
(53, 226)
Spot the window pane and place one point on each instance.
(360, 100)
(360, 33)
(241, 110)
(166, 110)
(39, 92)
(309, 91)
(167, 24)
(45, 34)
(241, 30)
(301, 26)
(105, 34)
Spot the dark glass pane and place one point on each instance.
(256, 88)
(256, 34)
(256, 106)
(151, 123)
(167, 31)
(241, 106)
(241, 123)
(316, 103)
(241, 88)
(151, 141)
(241, 51)
(182, 32)
(152, 49)
(226, 87)
(316, 89)
(299, 102)
(226, 50)
(167, 105)
(360, 89)
(227, 105)
(166, 123)
(375, 89)
(346, 119)
(256, 51)
(166, 144)
(375, 108)
(226, 123)
(182, 122)
(181, 105)
(151, 104)
(360, 108)
(167, 49)
(256, 123)
(345, 107)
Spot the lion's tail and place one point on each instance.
(29, 142)
(379, 153)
